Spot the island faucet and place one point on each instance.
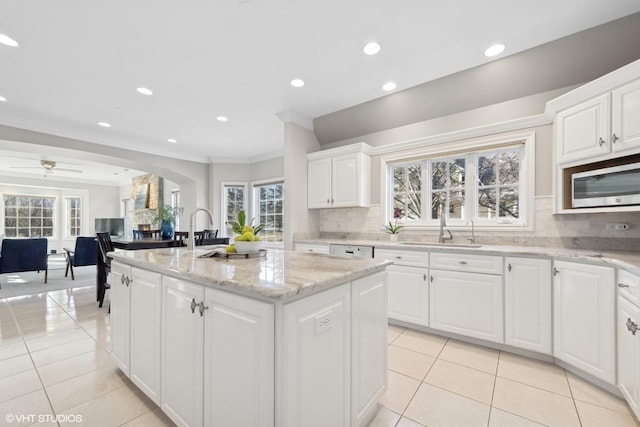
(443, 224)
(191, 243)
(472, 239)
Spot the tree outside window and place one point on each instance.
(269, 201)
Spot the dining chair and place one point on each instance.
(210, 234)
(105, 245)
(180, 235)
(84, 253)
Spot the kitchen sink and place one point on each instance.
(442, 245)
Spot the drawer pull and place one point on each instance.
(622, 285)
(463, 262)
(632, 326)
(398, 257)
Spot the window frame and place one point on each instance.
(54, 216)
(224, 203)
(67, 217)
(470, 149)
(255, 200)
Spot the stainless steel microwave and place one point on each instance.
(614, 186)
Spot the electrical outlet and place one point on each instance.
(616, 227)
(339, 226)
(323, 322)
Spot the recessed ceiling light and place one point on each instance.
(222, 118)
(389, 86)
(145, 91)
(3, 99)
(104, 124)
(297, 82)
(371, 48)
(171, 140)
(494, 50)
(8, 41)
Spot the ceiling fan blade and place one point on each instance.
(25, 167)
(66, 170)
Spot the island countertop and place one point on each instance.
(280, 275)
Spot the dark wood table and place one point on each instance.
(145, 243)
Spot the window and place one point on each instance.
(485, 186)
(73, 216)
(126, 214)
(269, 210)
(234, 196)
(175, 203)
(28, 216)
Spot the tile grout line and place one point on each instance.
(493, 391)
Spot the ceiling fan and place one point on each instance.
(49, 167)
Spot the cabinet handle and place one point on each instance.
(614, 138)
(193, 305)
(332, 201)
(555, 271)
(202, 308)
(328, 201)
(632, 326)
(622, 285)
(601, 142)
(463, 262)
(398, 257)
(424, 277)
(127, 281)
(431, 278)
(509, 267)
(122, 280)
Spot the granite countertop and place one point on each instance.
(281, 275)
(629, 260)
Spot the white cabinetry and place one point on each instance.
(605, 124)
(338, 180)
(628, 322)
(527, 294)
(369, 346)
(463, 301)
(146, 321)
(316, 364)
(583, 310)
(121, 315)
(408, 286)
(316, 248)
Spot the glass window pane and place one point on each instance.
(10, 232)
(399, 179)
(439, 173)
(438, 198)
(509, 203)
(509, 167)
(456, 204)
(10, 212)
(415, 177)
(487, 170)
(456, 173)
(487, 204)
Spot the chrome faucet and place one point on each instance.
(191, 243)
(443, 224)
(472, 239)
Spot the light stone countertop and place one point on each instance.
(282, 275)
(628, 260)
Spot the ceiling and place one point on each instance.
(80, 61)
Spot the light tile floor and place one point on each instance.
(55, 362)
(440, 382)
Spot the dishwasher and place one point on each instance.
(351, 250)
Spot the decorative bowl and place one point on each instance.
(247, 247)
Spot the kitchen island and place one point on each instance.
(287, 339)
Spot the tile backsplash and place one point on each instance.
(584, 231)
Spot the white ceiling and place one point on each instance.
(80, 62)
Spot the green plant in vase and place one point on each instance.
(166, 217)
(245, 233)
(393, 228)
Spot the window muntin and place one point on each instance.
(73, 213)
(269, 210)
(28, 216)
(484, 186)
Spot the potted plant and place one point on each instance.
(247, 239)
(393, 228)
(166, 217)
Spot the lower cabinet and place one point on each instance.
(527, 303)
(316, 365)
(467, 304)
(408, 294)
(217, 357)
(629, 353)
(121, 316)
(369, 346)
(583, 311)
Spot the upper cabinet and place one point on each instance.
(339, 178)
(625, 116)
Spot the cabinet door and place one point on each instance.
(527, 292)
(467, 303)
(583, 310)
(319, 183)
(345, 181)
(146, 319)
(239, 354)
(629, 353)
(182, 352)
(625, 116)
(583, 130)
(120, 315)
(317, 360)
(408, 289)
(369, 346)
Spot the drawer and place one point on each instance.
(317, 248)
(487, 264)
(400, 257)
(629, 286)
